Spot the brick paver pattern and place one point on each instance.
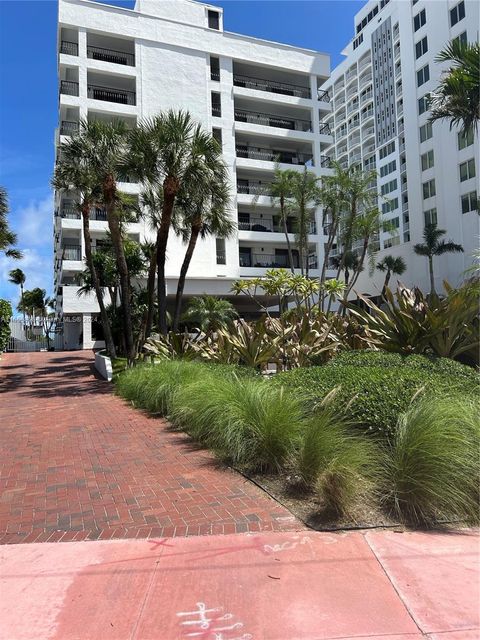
(77, 462)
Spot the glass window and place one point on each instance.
(469, 202)
(216, 105)
(419, 20)
(461, 39)
(429, 189)
(465, 139)
(423, 104)
(421, 47)
(213, 19)
(467, 170)
(214, 68)
(427, 160)
(426, 132)
(221, 253)
(457, 13)
(423, 75)
(217, 135)
(430, 216)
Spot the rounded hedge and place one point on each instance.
(374, 388)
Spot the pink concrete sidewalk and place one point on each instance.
(269, 586)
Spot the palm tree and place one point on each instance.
(306, 196)
(281, 191)
(433, 246)
(16, 276)
(205, 212)
(391, 265)
(169, 151)
(7, 237)
(76, 171)
(210, 313)
(457, 97)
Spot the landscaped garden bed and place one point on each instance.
(370, 438)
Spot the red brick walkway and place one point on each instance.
(77, 463)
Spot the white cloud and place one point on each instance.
(33, 223)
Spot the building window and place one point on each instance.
(461, 39)
(389, 206)
(215, 69)
(391, 242)
(421, 48)
(388, 187)
(216, 104)
(426, 132)
(217, 135)
(423, 75)
(465, 139)
(430, 216)
(419, 20)
(428, 160)
(388, 168)
(213, 20)
(457, 13)
(429, 189)
(387, 150)
(469, 202)
(423, 104)
(221, 253)
(467, 170)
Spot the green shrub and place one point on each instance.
(375, 388)
(339, 464)
(244, 420)
(433, 469)
(5, 315)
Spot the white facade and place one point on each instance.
(261, 97)
(378, 120)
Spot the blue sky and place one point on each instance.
(28, 106)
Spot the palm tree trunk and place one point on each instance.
(109, 190)
(195, 232)
(283, 213)
(432, 279)
(151, 293)
(385, 284)
(170, 189)
(23, 308)
(107, 332)
(328, 247)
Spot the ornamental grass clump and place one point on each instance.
(432, 473)
(247, 422)
(337, 463)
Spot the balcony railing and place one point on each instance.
(69, 88)
(352, 107)
(257, 224)
(367, 114)
(270, 155)
(98, 213)
(110, 55)
(260, 84)
(70, 48)
(71, 252)
(366, 97)
(265, 261)
(324, 128)
(365, 79)
(255, 188)
(323, 96)
(270, 120)
(68, 128)
(109, 94)
(370, 131)
(70, 212)
(221, 257)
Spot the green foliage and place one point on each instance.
(433, 470)
(375, 389)
(5, 315)
(210, 313)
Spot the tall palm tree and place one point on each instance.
(281, 192)
(434, 246)
(7, 237)
(173, 152)
(391, 265)
(306, 196)
(205, 212)
(210, 313)
(457, 97)
(76, 171)
(16, 276)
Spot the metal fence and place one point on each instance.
(28, 339)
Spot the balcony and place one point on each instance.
(68, 128)
(71, 252)
(271, 155)
(368, 132)
(69, 211)
(254, 188)
(247, 223)
(323, 96)
(69, 48)
(365, 79)
(352, 107)
(111, 55)
(272, 86)
(366, 115)
(271, 120)
(272, 261)
(109, 94)
(366, 97)
(69, 88)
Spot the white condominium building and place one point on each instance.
(380, 119)
(262, 100)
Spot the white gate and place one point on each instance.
(25, 339)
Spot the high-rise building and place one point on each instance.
(261, 100)
(426, 173)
